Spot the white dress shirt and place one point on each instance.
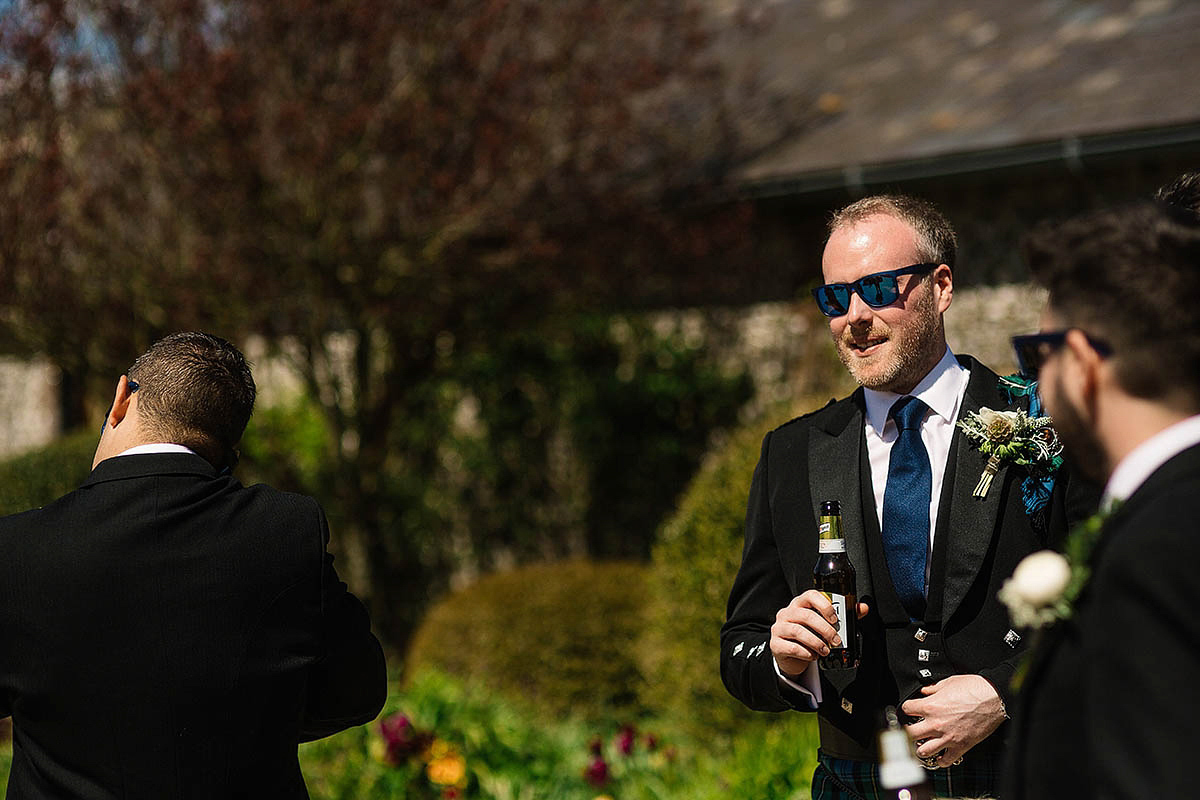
(1147, 457)
(156, 447)
(942, 390)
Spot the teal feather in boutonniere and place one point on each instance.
(1024, 438)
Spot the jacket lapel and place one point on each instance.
(968, 527)
(834, 453)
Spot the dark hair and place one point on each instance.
(1131, 277)
(1182, 193)
(936, 241)
(195, 389)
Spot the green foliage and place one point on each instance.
(35, 478)
(559, 637)
(694, 563)
(502, 752)
(287, 446)
(770, 760)
(693, 567)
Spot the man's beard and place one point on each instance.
(914, 353)
(1086, 454)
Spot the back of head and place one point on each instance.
(1130, 276)
(936, 240)
(195, 389)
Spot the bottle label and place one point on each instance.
(839, 606)
(831, 546)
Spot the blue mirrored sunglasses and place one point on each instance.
(1033, 349)
(877, 290)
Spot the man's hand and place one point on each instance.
(804, 630)
(956, 713)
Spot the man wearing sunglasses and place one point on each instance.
(1108, 707)
(930, 556)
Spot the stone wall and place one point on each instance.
(784, 345)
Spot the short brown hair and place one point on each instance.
(195, 389)
(1130, 276)
(936, 240)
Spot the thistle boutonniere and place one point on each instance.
(1014, 437)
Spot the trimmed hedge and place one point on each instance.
(558, 636)
(693, 566)
(38, 477)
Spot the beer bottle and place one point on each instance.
(834, 576)
(901, 775)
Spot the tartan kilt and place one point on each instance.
(844, 779)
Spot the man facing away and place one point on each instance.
(166, 632)
(930, 555)
(1108, 708)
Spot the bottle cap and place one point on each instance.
(830, 507)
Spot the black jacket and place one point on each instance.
(1110, 704)
(166, 632)
(978, 543)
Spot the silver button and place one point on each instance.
(920, 635)
(847, 706)
(922, 655)
(1012, 638)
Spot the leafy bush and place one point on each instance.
(559, 636)
(694, 562)
(693, 566)
(35, 478)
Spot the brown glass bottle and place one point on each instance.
(834, 576)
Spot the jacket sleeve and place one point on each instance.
(759, 591)
(348, 684)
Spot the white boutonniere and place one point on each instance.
(1014, 437)
(1044, 586)
(1035, 592)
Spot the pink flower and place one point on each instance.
(401, 737)
(596, 773)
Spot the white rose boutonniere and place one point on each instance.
(1015, 437)
(1034, 592)
(1044, 586)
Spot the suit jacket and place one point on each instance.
(977, 544)
(166, 632)
(1110, 703)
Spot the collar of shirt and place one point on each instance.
(942, 390)
(157, 447)
(1147, 457)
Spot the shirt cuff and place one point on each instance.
(807, 683)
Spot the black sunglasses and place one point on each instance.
(877, 290)
(1033, 349)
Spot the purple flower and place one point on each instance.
(625, 740)
(596, 773)
(401, 737)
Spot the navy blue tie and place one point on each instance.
(906, 506)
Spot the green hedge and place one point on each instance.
(694, 564)
(559, 636)
(40, 476)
